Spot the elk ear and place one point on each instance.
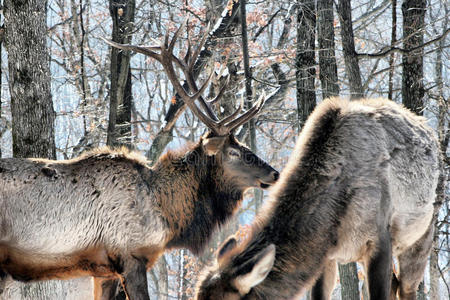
(213, 145)
(262, 264)
(226, 246)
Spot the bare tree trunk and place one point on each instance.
(327, 56)
(31, 100)
(248, 93)
(348, 275)
(1, 129)
(184, 282)
(305, 59)
(392, 56)
(348, 45)
(163, 279)
(119, 128)
(32, 111)
(412, 77)
(412, 62)
(434, 267)
(443, 135)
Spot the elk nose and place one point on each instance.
(275, 175)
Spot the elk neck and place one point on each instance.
(194, 196)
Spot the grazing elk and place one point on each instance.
(109, 215)
(359, 186)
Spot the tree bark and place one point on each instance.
(434, 268)
(443, 135)
(1, 75)
(348, 46)
(305, 71)
(119, 127)
(32, 111)
(327, 56)
(248, 93)
(412, 77)
(348, 275)
(163, 278)
(392, 55)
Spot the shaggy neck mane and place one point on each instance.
(302, 217)
(195, 197)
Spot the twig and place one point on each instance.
(401, 50)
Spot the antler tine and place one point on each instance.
(189, 70)
(198, 50)
(188, 53)
(175, 37)
(233, 115)
(166, 61)
(147, 50)
(245, 117)
(220, 94)
(200, 91)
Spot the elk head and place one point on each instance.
(238, 161)
(234, 275)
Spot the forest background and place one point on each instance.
(64, 91)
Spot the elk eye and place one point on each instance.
(234, 153)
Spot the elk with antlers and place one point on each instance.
(109, 215)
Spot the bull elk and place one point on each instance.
(359, 186)
(109, 215)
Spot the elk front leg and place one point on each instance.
(378, 267)
(324, 286)
(394, 287)
(105, 288)
(2, 281)
(134, 279)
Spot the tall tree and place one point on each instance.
(391, 56)
(327, 56)
(348, 45)
(305, 71)
(32, 111)
(119, 128)
(248, 92)
(1, 129)
(412, 62)
(443, 135)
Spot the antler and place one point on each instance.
(164, 54)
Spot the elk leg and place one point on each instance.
(134, 279)
(105, 288)
(2, 281)
(394, 287)
(412, 263)
(324, 286)
(379, 268)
